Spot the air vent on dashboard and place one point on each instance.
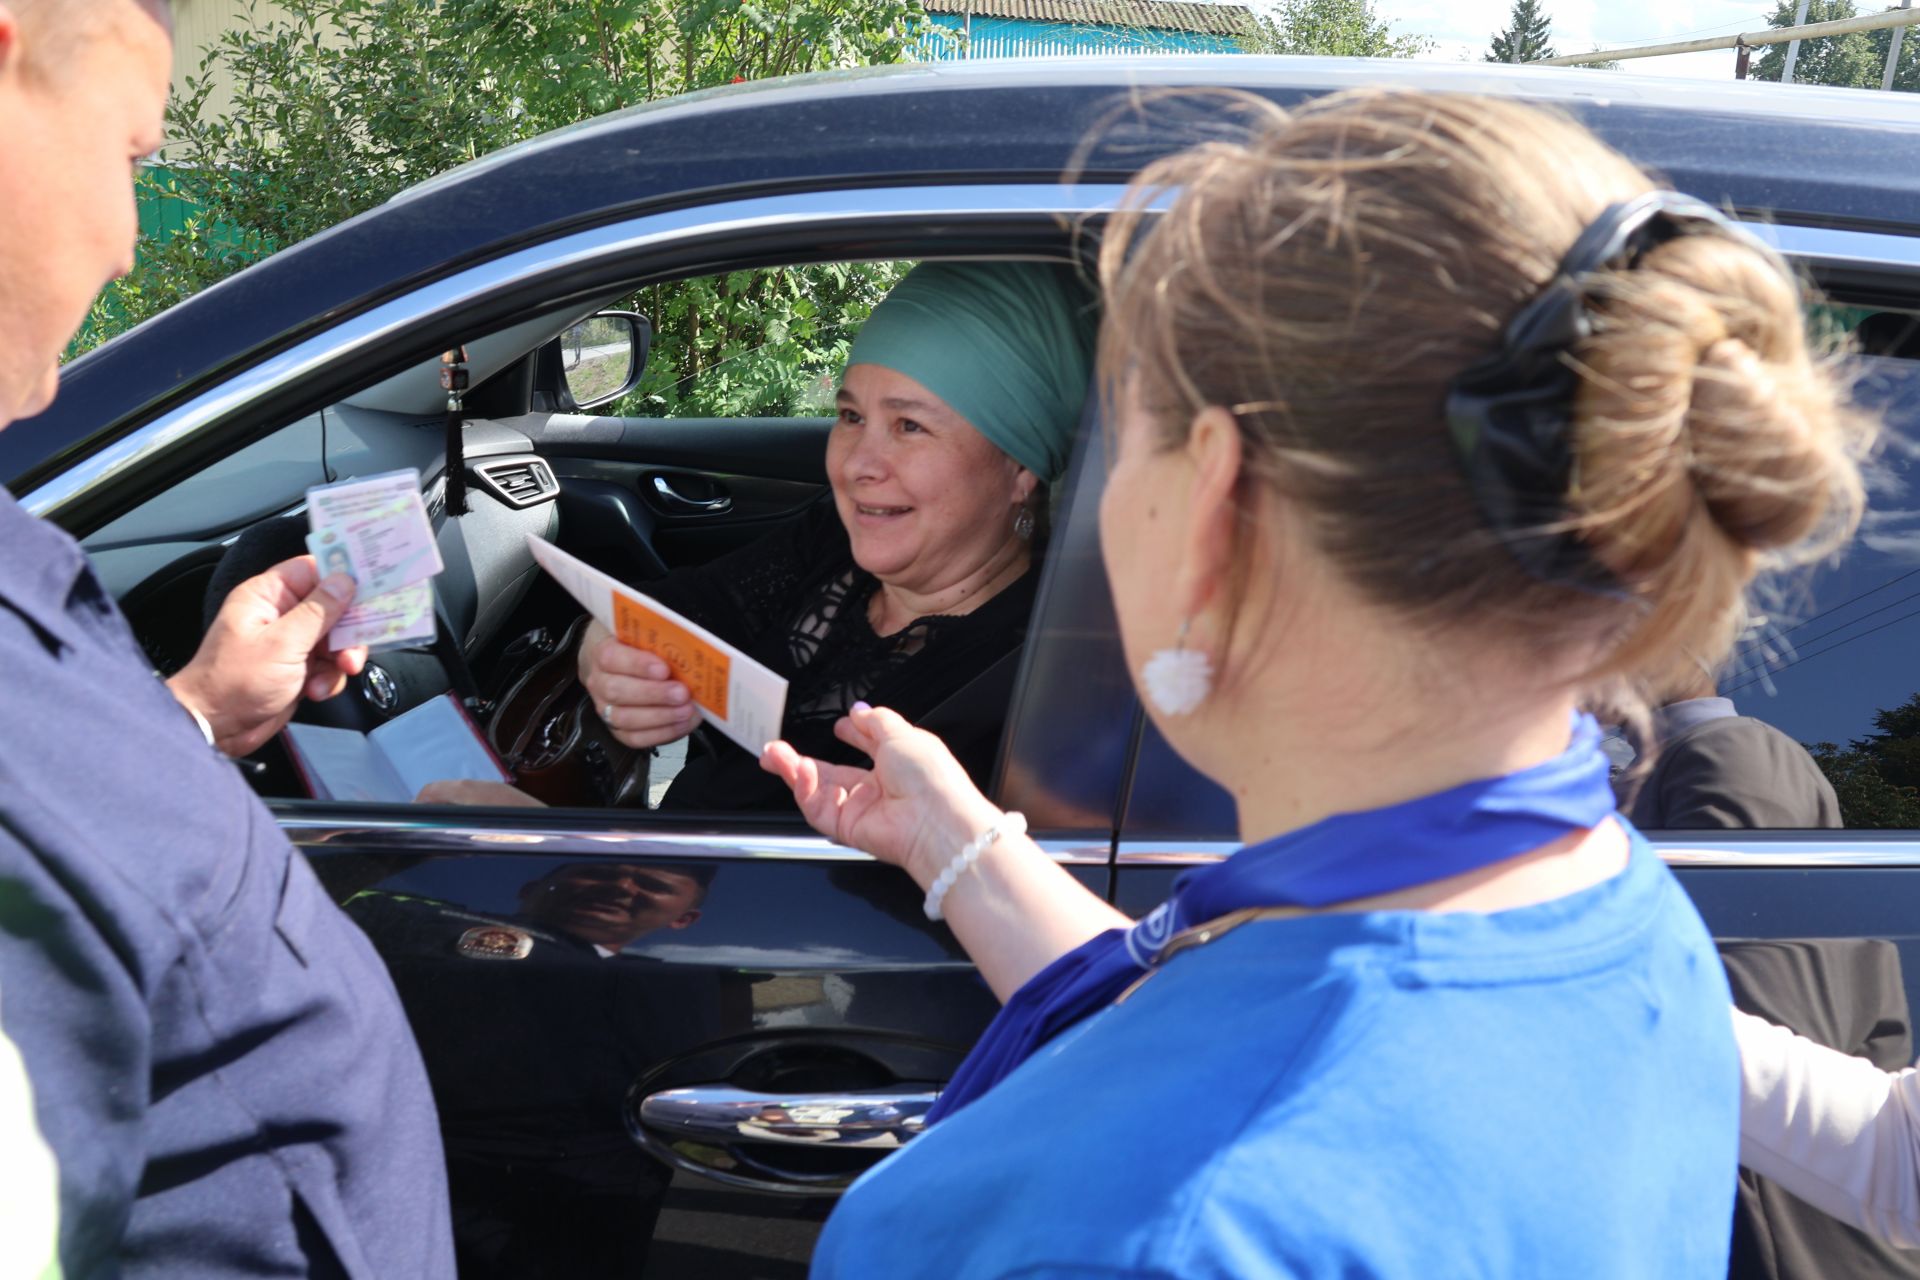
(522, 482)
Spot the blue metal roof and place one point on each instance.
(1130, 15)
(980, 37)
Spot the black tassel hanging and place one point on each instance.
(453, 379)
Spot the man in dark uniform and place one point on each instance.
(535, 1024)
(217, 1056)
(1719, 769)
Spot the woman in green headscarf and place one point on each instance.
(956, 410)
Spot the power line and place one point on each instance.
(1682, 35)
(1850, 599)
(1845, 626)
(1741, 658)
(1809, 657)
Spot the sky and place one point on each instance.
(1464, 28)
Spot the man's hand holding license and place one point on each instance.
(266, 649)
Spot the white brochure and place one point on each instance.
(741, 698)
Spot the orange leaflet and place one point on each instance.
(694, 663)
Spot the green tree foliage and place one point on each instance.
(1330, 28)
(1528, 37)
(755, 342)
(1856, 61)
(1906, 76)
(338, 105)
(1877, 777)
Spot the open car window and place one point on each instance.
(719, 444)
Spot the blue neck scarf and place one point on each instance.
(1347, 856)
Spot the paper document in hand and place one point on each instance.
(742, 698)
(381, 525)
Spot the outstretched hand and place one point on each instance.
(914, 808)
(266, 649)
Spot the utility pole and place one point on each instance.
(1893, 53)
(1888, 19)
(1793, 47)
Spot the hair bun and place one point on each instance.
(1704, 410)
(1707, 436)
(1764, 471)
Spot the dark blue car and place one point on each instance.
(689, 1105)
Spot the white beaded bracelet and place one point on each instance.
(1009, 824)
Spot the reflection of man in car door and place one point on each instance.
(218, 1061)
(534, 1025)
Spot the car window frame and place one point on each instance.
(230, 408)
(136, 459)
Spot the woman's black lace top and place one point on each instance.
(796, 601)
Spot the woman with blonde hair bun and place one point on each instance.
(1433, 419)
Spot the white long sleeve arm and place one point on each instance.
(1834, 1130)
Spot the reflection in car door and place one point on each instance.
(554, 969)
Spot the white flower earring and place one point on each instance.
(1178, 680)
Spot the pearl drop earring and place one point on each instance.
(1178, 680)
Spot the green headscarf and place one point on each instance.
(1008, 345)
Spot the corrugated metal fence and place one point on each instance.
(163, 210)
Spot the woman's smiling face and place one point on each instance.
(925, 498)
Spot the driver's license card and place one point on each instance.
(397, 620)
(741, 697)
(375, 530)
(380, 526)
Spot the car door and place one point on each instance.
(659, 1044)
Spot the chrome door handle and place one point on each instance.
(673, 500)
(715, 1129)
(722, 1113)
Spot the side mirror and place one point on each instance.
(601, 358)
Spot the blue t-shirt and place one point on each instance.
(1549, 1091)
